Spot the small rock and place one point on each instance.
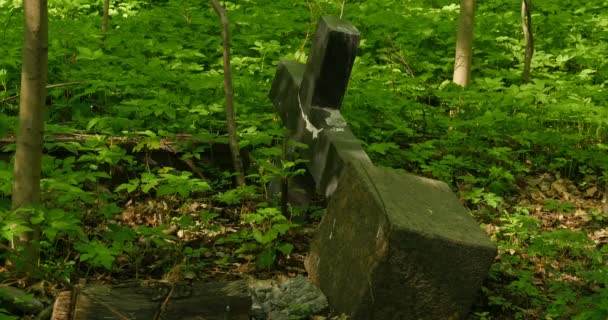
(293, 298)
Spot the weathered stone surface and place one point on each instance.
(307, 97)
(211, 301)
(398, 246)
(330, 61)
(391, 246)
(161, 300)
(295, 298)
(330, 140)
(335, 146)
(284, 94)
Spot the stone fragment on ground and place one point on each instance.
(295, 298)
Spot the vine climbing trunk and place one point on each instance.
(28, 156)
(464, 44)
(228, 91)
(526, 23)
(105, 21)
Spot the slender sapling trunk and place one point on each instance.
(526, 23)
(30, 139)
(464, 44)
(228, 91)
(105, 21)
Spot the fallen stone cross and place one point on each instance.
(391, 245)
(308, 97)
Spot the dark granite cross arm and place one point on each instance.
(330, 62)
(308, 98)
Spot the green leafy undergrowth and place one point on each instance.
(109, 210)
(554, 274)
(160, 74)
(552, 252)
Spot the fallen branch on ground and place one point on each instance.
(50, 86)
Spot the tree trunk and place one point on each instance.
(104, 22)
(464, 44)
(526, 23)
(28, 156)
(231, 123)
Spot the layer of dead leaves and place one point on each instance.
(557, 203)
(561, 203)
(160, 213)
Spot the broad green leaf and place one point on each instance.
(285, 248)
(266, 258)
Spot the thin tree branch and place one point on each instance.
(308, 28)
(526, 23)
(228, 91)
(57, 85)
(342, 8)
(398, 54)
(50, 86)
(166, 144)
(105, 21)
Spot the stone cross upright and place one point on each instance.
(308, 98)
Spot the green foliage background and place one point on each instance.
(160, 74)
